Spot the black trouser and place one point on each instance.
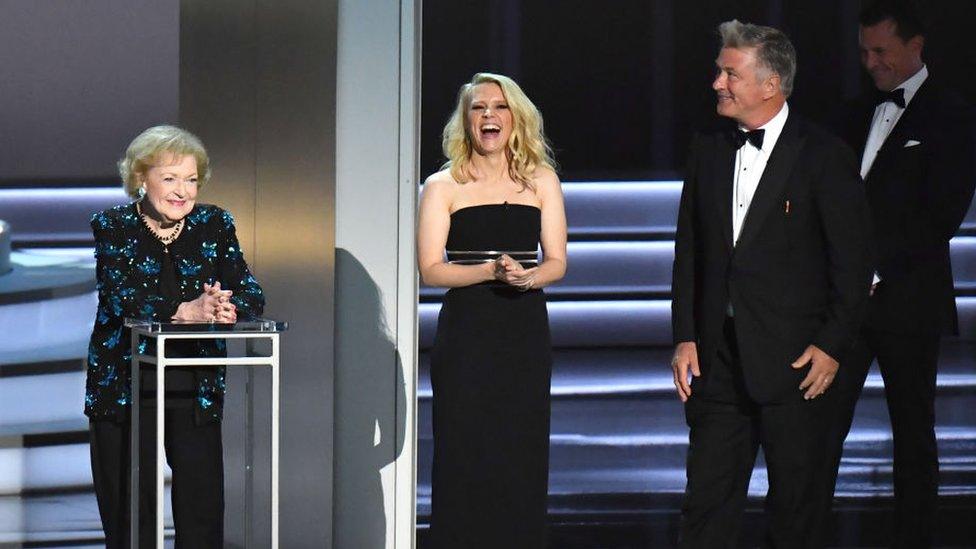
(727, 428)
(195, 455)
(908, 368)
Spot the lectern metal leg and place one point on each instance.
(160, 435)
(249, 451)
(274, 439)
(134, 405)
(161, 362)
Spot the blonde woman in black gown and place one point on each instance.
(482, 219)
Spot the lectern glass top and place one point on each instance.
(242, 325)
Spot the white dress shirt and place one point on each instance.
(886, 115)
(750, 163)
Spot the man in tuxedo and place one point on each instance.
(770, 281)
(917, 145)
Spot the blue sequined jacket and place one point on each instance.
(128, 264)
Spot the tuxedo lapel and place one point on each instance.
(904, 129)
(724, 172)
(773, 180)
(862, 128)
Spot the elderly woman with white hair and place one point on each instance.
(163, 257)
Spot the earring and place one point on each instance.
(142, 191)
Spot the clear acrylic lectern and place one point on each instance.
(250, 331)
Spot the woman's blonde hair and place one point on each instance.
(527, 148)
(148, 147)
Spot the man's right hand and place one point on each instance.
(685, 358)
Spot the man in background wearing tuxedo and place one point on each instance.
(770, 281)
(917, 149)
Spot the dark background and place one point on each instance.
(79, 80)
(622, 84)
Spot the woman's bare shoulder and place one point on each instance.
(545, 181)
(440, 187)
(442, 178)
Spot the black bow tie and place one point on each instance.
(895, 96)
(755, 137)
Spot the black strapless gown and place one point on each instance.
(490, 370)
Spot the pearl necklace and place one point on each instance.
(166, 240)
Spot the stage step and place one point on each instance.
(613, 210)
(66, 519)
(625, 323)
(642, 270)
(618, 433)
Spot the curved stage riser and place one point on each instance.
(618, 433)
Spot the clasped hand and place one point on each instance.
(213, 305)
(511, 272)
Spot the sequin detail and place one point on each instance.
(149, 266)
(113, 339)
(188, 267)
(202, 215)
(209, 250)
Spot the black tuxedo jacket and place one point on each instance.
(799, 275)
(919, 189)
